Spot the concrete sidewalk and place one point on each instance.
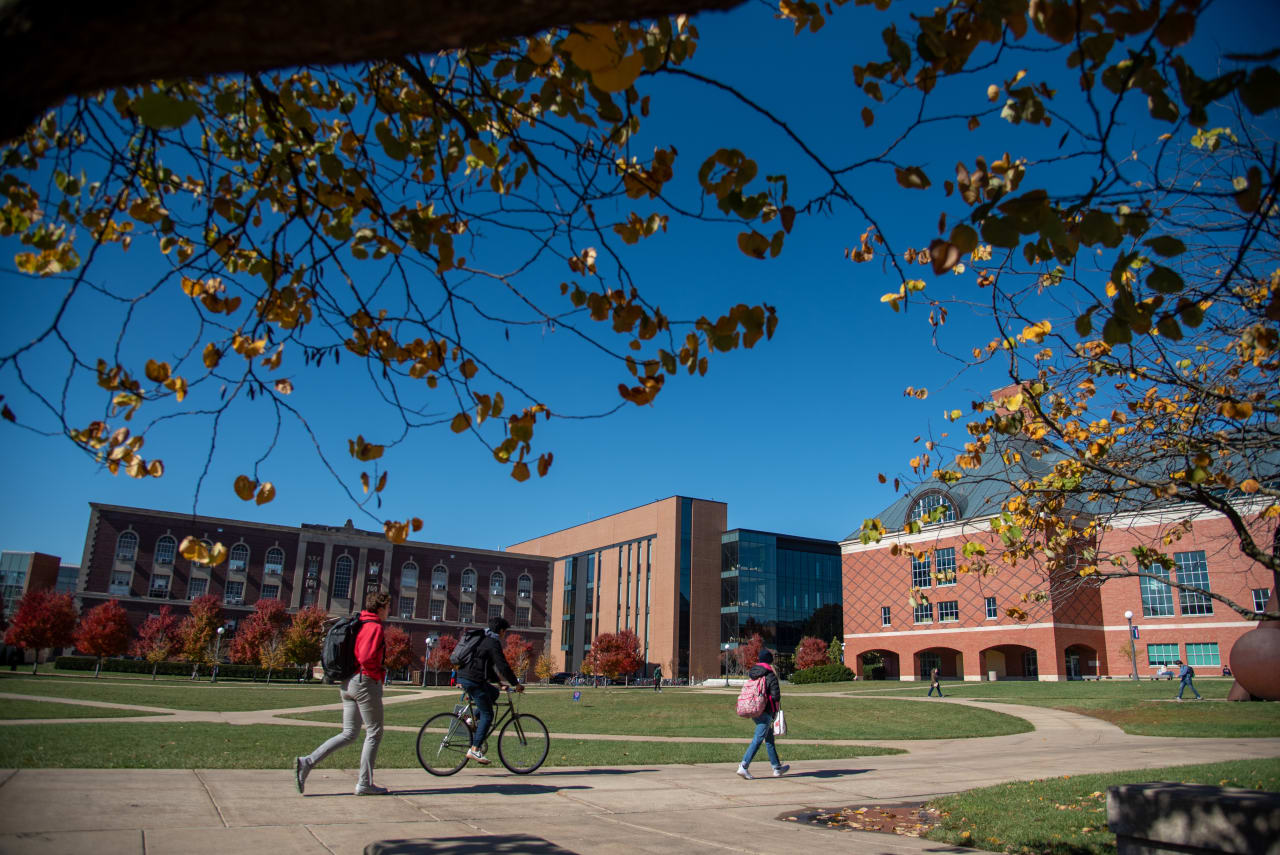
(659, 809)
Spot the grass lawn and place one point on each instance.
(1067, 815)
(173, 693)
(11, 709)
(697, 713)
(130, 745)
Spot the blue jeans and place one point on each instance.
(764, 733)
(483, 696)
(1186, 681)
(932, 687)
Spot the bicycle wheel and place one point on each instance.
(442, 744)
(523, 743)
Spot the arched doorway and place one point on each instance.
(948, 661)
(1010, 662)
(1081, 662)
(877, 665)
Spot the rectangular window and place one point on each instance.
(342, 579)
(884, 616)
(120, 584)
(1203, 655)
(466, 612)
(924, 613)
(920, 571)
(1193, 569)
(1161, 654)
(407, 605)
(234, 595)
(159, 588)
(270, 592)
(1157, 596)
(437, 609)
(197, 587)
(1261, 596)
(495, 610)
(992, 612)
(165, 549)
(929, 661)
(238, 563)
(274, 565)
(522, 615)
(949, 611)
(944, 565)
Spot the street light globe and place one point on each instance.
(1128, 615)
(221, 630)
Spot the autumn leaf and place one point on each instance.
(266, 493)
(244, 487)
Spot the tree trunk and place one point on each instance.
(50, 50)
(155, 666)
(97, 668)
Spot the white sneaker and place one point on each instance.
(743, 773)
(301, 769)
(779, 771)
(473, 753)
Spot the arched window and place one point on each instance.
(342, 576)
(239, 558)
(275, 561)
(524, 587)
(497, 583)
(166, 550)
(468, 581)
(126, 546)
(439, 578)
(926, 509)
(409, 575)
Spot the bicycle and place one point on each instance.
(443, 740)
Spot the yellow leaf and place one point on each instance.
(520, 471)
(1249, 485)
(382, 483)
(460, 422)
(397, 532)
(284, 387)
(217, 555)
(1037, 332)
(539, 52)
(266, 493)
(212, 356)
(193, 549)
(244, 487)
(155, 469)
(621, 76)
(157, 372)
(179, 387)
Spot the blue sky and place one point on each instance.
(791, 435)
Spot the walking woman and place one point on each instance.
(764, 721)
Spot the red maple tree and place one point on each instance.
(519, 653)
(199, 631)
(157, 639)
(400, 653)
(43, 619)
(749, 653)
(304, 639)
(614, 654)
(266, 626)
(811, 652)
(440, 653)
(104, 631)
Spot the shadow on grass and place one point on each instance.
(500, 843)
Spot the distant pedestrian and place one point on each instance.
(764, 721)
(361, 701)
(453, 677)
(1185, 675)
(657, 678)
(935, 684)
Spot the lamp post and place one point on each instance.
(1133, 649)
(431, 643)
(217, 650)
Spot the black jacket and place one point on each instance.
(771, 686)
(488, 664)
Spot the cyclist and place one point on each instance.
(486, 665)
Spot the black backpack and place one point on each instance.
(338, 656)
(466, 649)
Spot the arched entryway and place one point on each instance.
(1080, 661)
(877, 665)
(948, 661)
(1010, 662)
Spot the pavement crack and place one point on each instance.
(212, 800)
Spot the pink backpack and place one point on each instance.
(753, 698)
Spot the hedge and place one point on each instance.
(228, 671)
(822, 674)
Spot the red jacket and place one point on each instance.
(371, 647)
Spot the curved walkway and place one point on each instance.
(658, 809)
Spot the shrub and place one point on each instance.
(822, 674)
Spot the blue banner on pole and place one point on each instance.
(1134, 630)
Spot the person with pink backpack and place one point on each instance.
(762, 682)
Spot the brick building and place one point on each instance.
(1081, 631)
(131, 554)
